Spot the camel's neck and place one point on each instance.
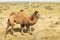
(33, 20)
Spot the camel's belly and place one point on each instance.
(21, 20)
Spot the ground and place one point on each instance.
(46, 28)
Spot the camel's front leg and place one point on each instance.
(29, 29)
(22, 28)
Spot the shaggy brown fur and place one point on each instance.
(22, 19)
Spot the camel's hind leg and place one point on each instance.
(12, 28)
(7, 28)
(11, 21)
(22, 28)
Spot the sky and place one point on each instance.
(29, 0)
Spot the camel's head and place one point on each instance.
(36, 14)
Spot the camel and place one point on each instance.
(22, 19)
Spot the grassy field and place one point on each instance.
(47, 27)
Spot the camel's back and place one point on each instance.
(21, 17)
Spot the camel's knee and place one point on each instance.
(12, 26)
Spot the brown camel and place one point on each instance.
(23, 19)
